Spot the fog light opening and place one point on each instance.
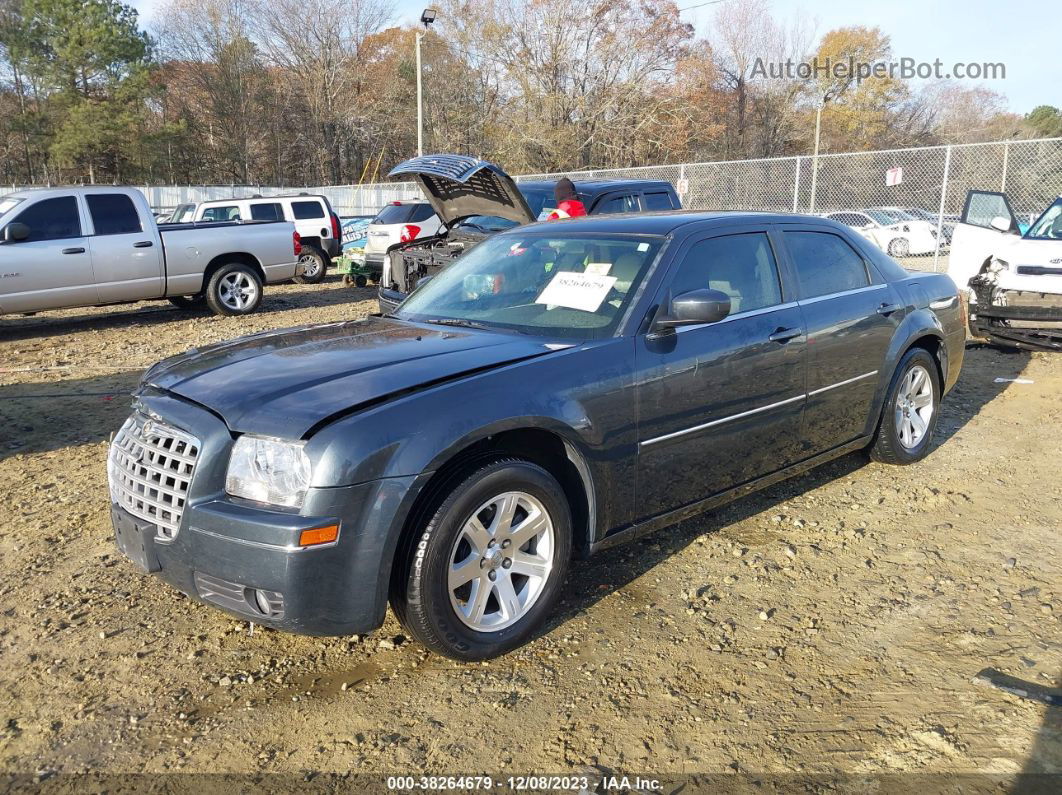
(261, 601)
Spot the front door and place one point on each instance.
(720, 404)
(126, 258)
(51, 268)
(851, 317)
(975, 239)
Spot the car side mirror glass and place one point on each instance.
(694, 308)
(1000, 223)
(15, 232)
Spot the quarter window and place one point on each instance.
(742, 266)
(52, 219)
(304, 210)
(113, 214)
(825, 263)
(658, 201)
(618, 204)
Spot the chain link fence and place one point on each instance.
(934, 179)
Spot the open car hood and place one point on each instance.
(459, 187)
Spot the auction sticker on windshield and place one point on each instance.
(584, 291)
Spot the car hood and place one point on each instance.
(1018, 250)
(285, 382)
(460, 187)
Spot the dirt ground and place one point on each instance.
(832, 624)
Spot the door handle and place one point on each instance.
(888, 309)
(143, 244)
(74, 250)
(783, 335)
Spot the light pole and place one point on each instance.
(427, 17)
(815, 156)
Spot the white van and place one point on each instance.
(315, 221)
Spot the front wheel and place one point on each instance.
(314, 265)
(487, 569)
(234, 289)
(899, 247)
(911, 411)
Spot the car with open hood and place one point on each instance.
(474, 199)
(562, 388)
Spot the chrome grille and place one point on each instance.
(150, 467)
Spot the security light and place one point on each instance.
(428, 16)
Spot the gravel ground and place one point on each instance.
(832, 624)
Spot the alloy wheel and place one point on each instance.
(914, 406)
(237, 291)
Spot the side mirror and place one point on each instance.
(1000, 223)
(15, 232)
(693, 308)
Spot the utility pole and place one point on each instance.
(815, 156)
(427, 17)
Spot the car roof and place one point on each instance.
(595, 187)
(665, 223)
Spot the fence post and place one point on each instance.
(943, 198)
(796, 185)
(1006, 161)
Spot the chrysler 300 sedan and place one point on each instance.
(562, 388)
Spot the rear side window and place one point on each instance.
(52, 219)
(421, 212)
(113, 214)
(227, 213)
(658, 201)
(304, 210)
(395, 214)
(267, 212)
(825, 263)
(742, 266)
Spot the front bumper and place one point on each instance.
(1016, 318)
(389, 300)
(245, 559)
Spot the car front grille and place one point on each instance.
(149, 467)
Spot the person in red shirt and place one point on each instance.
(568, 204)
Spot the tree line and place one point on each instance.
(313, 92)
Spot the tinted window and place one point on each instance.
(618, 204)
(267, 212)
(981, 208)
(825, 263)
(394, 214)
(658, 201)
(421, 212)
(229, 213)
(51, 219)
(113, 214)
(303, 210)
(742, 266)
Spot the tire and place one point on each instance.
(911, 411)
(188, 301)
(315, 262)
(361, 281)
(234, 289)
(499, 606)
(899, 247)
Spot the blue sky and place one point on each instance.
(1022, 34)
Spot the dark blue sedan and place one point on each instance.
(562, 388)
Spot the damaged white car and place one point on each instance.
(1013, 280)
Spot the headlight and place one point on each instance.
(268, 470)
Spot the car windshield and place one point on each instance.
(1049, 225)
(7, 202)
(536, 199)
(881, 217)
(565, 286)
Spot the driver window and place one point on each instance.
(981, 208)
(51, 219)
(742, 266)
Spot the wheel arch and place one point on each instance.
(241, 257)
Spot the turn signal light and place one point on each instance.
(319, 535)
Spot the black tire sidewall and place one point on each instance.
(427, 600)
(217, 306)
(322, 261)
(922, 357)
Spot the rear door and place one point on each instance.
(126, 253)
(851, 315)
(52, 268)
(720, 404)
(974, 239)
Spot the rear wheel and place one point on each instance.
(234, 289)
(910, 415)
(899, 247)
(487, 568)
(314, 265)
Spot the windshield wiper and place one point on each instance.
(455, 321)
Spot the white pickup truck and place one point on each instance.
(1013, 278)
(88, 246)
